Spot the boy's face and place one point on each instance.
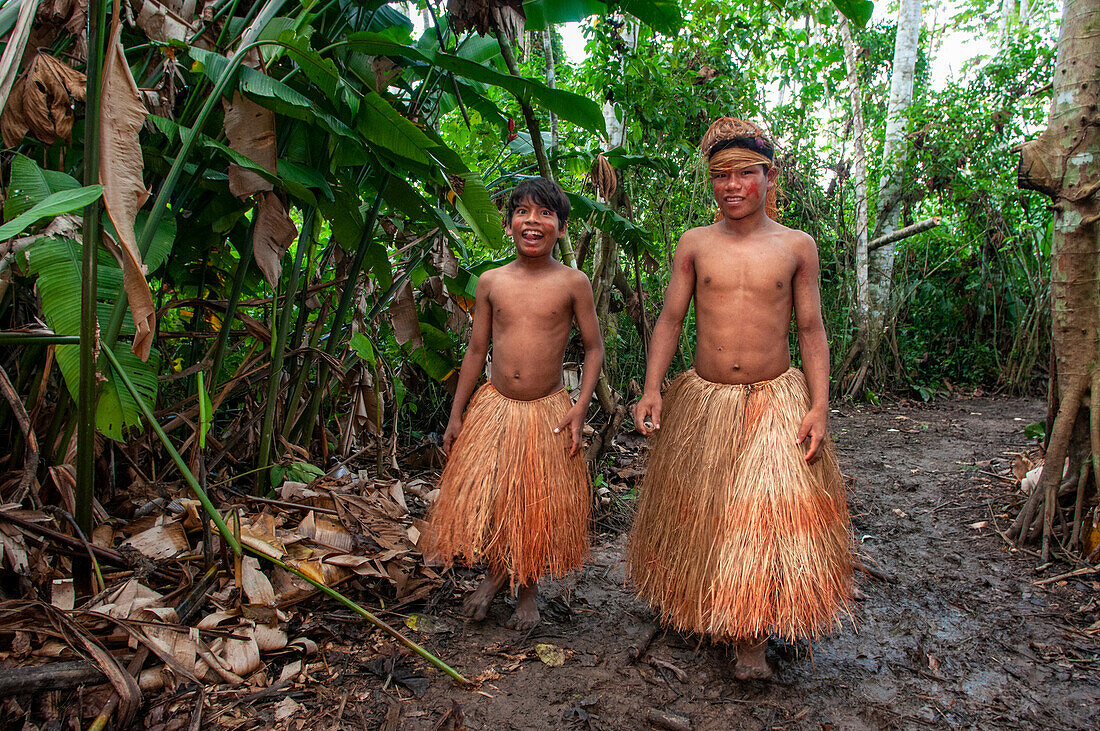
(535, 229)
(741, 192)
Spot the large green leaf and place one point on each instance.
(383, 126)
(857, 11)
(57, 262)
(541, 13)
(55, 204)
(580, 110)
(30, 184)
(606, 219)
(661, 15)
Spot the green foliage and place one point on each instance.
(57, 261)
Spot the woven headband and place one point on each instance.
(756, 144)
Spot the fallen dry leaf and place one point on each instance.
(160, 541)
(551, 655)
(121, 115)
(979, 525)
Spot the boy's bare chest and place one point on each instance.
(765, 274)
(531, 304)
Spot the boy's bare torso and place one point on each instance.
(744, 297)
(532, 315)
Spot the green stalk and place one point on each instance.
(231, 306)
(370, 617)
(342, 308)
(208, 506)
(18, 338)
(267, 430)
(86, 390)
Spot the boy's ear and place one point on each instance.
(773, 173)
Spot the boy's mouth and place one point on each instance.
(530, 235)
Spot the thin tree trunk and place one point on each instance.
(880, 262)
(548, 51)
(859, 172)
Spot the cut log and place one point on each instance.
(52, 676)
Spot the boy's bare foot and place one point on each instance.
(526, 615)
(751, 661)
(477, 604)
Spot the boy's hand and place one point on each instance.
(814, 425)
(647, 413)
(454, 426)
(574, 422)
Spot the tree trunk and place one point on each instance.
(1064, 163)
(880, 262)
(551, 81)
(859, 182)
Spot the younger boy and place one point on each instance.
(515, 492)
(742, 528)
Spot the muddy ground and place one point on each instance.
(953, 633)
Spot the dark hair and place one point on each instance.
(544, 193)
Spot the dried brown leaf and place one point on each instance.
(42, 102)
(272, 236)
(325, 531)
(255, 584)
(121, 115)
(161, 541)
(162, 23)
(406, 324)
(251, 132)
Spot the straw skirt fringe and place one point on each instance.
(735, 535)
(511, 495)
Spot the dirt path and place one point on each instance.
(956, 636)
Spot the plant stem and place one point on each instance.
(18, 338)
(276, 374)
(231, 306)
(342, 308)
(86, 391)
(208, 506)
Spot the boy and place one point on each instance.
(742, 528)
(515, 492)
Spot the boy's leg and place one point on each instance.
(751, 661)
(526, 615)
(477, 604)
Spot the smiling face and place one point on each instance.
(741, 192)
(535, 229)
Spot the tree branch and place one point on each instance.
(904, 233)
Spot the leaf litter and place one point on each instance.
(166, 632)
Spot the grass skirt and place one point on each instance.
(511, 495)
(735, 535)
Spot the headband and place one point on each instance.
(753, 143)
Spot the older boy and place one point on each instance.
(515, 492)
(742, 528)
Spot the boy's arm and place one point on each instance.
(666, 335)
(584, 309)
(473, 361)
(814, 346)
